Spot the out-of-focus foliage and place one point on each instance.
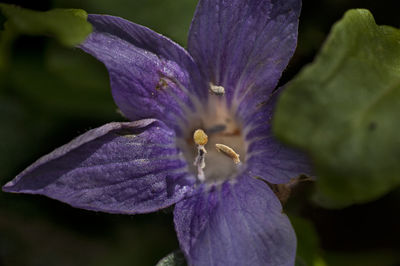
(31, 239)
(308, 248)
(366, 258)
(69, 26)
(168, 17)
(344, 110)
(173, 259)
(65, 82)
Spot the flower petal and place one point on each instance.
(131, 167)
(237, 224)
(244, 45)
(267, 158)
(150, 75)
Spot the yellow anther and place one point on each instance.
(229, 152)
(200, 137)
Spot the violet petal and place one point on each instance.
(237, 224)
(131, 167)
(150, 75)
(244, 45)
(267, 157)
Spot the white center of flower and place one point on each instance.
(213, 145)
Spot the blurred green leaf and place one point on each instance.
(365, 258)
(68, 82)
(18, 122)
(343, 110)
(308, 250)
(175, 258)
(7, 37)
(68, 26)
(169, 17)
(126, 241)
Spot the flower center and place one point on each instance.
(213, 144)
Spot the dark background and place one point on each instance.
(50, 94)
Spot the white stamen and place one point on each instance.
(228, 151)
(217, 90)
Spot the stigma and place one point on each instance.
(201, 139)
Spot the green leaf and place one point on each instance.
(308, 250)
(7, 37)
(344, 108)
(68, 26)
(372, 257)
(68, 82)
(154, 14)
(175, 258)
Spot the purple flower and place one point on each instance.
(202, 134)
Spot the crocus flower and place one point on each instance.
(201, 137)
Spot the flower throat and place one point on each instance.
(214, 147)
